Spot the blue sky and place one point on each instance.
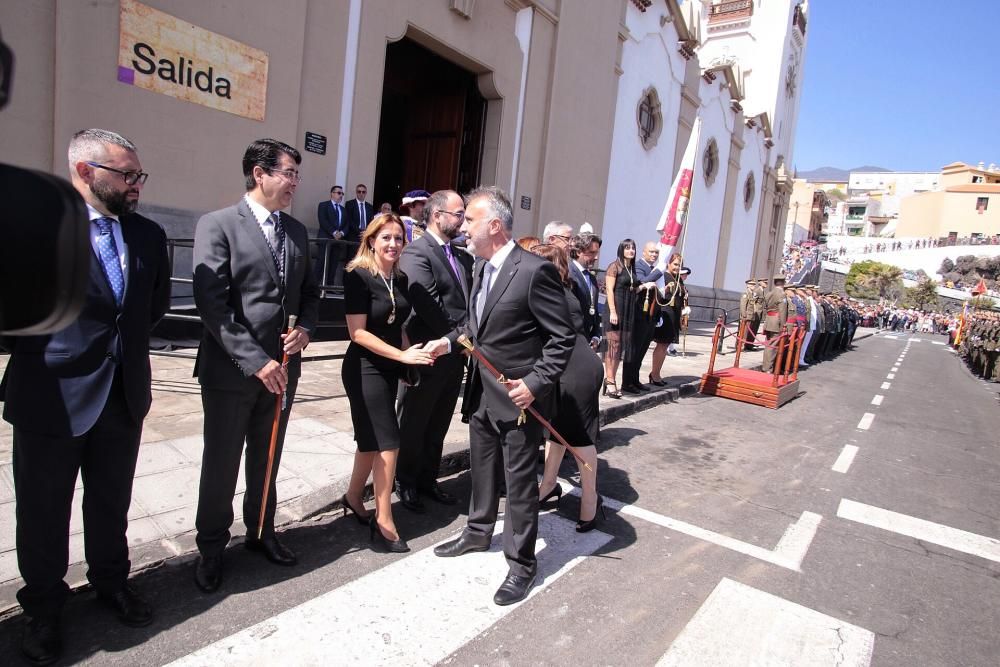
(910, 85)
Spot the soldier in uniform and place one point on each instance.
(747, 305)
(758, 307)
(775, 316)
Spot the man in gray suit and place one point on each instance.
(251, 272)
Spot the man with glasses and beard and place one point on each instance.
(77, 399)
(440, 276)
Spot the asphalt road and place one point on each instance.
(735, 535)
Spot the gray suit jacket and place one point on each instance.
(243, 305)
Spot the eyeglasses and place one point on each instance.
(130, 177)
(458, 214)
(290, 174)
(564, 237)
(362, 192)
(338, 192)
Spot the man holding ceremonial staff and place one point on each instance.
(520, 322)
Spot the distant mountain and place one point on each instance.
(833, 173)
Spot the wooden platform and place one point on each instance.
(749, 386)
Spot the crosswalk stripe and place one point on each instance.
(921, 529)
(740, 625)
(788, 553)
(846, 458)
(415, 611)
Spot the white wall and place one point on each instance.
(639, 179)
(707, 201)
(742, 234)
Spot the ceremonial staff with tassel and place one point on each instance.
(280, 405)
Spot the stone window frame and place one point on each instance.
(749, 191)
(710, 161)
(649, 111)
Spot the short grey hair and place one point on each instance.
(91, 144)
(556, 228)
(498, 203)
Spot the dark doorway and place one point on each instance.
(431, 130)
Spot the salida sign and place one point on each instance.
(164, 54)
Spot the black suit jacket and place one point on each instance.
(328, 222)
(439, 298)
(646, 273)
(587, 296)
(243, 305)
(355, 226)
(58, 384)
(525, 332)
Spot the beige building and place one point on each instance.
(967, 206)
(806, 212)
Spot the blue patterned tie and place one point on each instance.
(107, 250)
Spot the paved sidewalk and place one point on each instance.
(315, 466)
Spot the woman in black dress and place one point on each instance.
(376, 307)
(577, 413)
(623, 305)
(671, 314)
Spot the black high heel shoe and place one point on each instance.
(346, 505)
(658, 383)
(556, 493)
(392, 546)
(587, 526)
(613, 394)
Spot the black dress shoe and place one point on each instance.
(40, 642)
(273, 550)
(409, 498)
(131, 609)
(631, 389)
(513, 589)
(439, 495)
(208, 573)
(463, 545)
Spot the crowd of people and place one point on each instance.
(797, 257)
(827, 321)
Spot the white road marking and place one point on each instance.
(938, 342)
(740, 625)
(890, 376)
(921, 529)
(877, 400)
(845, 459)
(789, 552)
(866, 421)
(417, 610)
(916, 340)
(886, 385)
(895, 368)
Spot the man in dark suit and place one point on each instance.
(584, 249)
(519, 320)
(251, 272)
(333, 225)
(439, 275)
(648, 275)
(359, 213)
(77, 399)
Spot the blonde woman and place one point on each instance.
(376, 307)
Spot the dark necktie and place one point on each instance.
(276, 243)
(451, 260)
(107, 250)
(362, 222)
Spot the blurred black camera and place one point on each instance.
(45, 252)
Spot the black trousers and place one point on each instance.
(426, 412)
(517, 447)
(45, 472)
(232, 419)
(642, 336)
